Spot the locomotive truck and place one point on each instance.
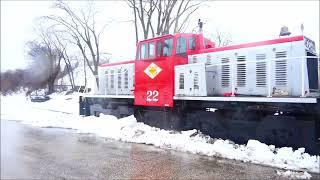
(266, 90)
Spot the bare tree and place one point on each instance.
(54, 50)
(69, 69)
(46, 62)
(81, 28)
(159, 17)
(222, 39)
(62, 46)
(53, 41)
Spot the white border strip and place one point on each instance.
(249, 99)
(239, 99)
(110, 96)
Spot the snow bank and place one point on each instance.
(294, 175)
(61, 112)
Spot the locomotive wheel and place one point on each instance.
(277, 130)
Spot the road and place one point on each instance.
(49, 153)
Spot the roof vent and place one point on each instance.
(284, 31)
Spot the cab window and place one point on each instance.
(143, 51)
(159, 47)
(181, 45)
(151, 50)
(192, 43)
(167, 47)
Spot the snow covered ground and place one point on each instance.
(294, 175)
(62, 111)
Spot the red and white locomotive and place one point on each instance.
(266, 90)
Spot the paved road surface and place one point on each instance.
(49, 153)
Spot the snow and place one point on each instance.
(294, 175)
(62, 112)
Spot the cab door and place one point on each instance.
(154, 73)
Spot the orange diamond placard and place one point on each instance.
(152, 70)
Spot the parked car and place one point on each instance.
(39, 98)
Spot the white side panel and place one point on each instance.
(116, 80)
(120, 79)
(263, 70)
(249, 99)
(190, 80)
(298, 70)
(127, 79)
(113, 80)
(211, 79)
(102, 80)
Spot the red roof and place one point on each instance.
(254, 44)
(116, 63)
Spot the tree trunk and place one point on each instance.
(69, 69)
(85, 73)
(51, 85)
(97, 81)
(135, 21)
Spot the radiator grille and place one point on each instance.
(107, 78)
(261, 71)
(241, 71)
(225, 74)
(119, 78)
(196, 81)
(126, 79)
(112, 79)
(281, 69)
(181, 81)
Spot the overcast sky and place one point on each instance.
(245, 21)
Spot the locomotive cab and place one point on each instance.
(154, 66)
